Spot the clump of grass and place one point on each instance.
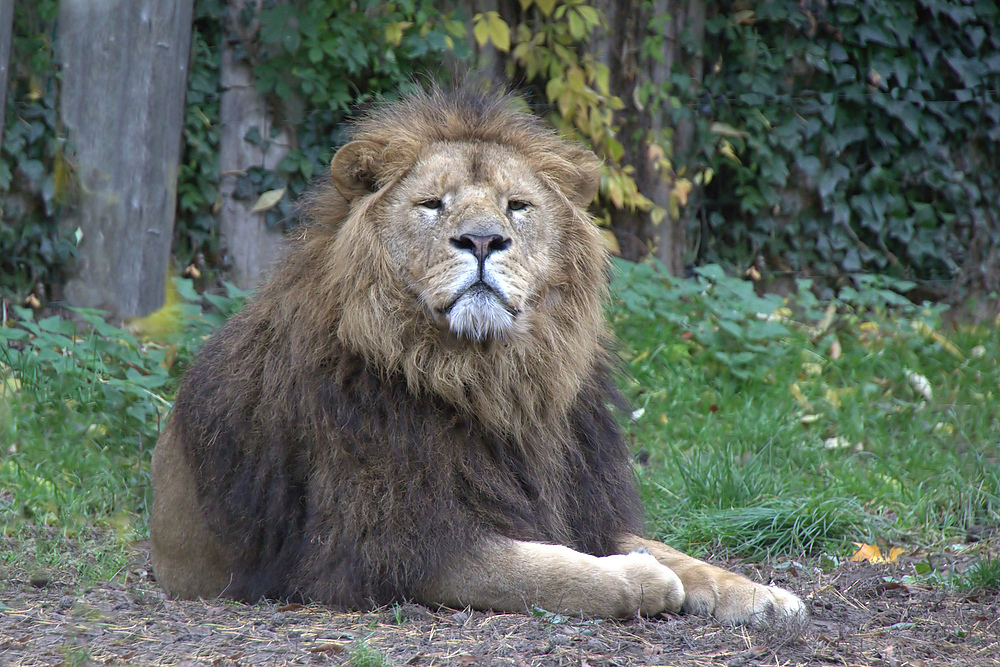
(364, 654)
(778, 527)
(982, 576)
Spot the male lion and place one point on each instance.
(419, 404)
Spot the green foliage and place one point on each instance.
(81, 406)
(198, 173)
(860, 418)
(549, 52)
(853, 137)
(982, 576)
(725, 324)
(364, 654)
(34, 165)
(316, 60)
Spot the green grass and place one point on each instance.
(364, 654)
(983, 576)
(80, 408)
(766, 440)
(771, 427)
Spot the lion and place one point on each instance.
(419, 405)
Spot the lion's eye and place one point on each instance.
(517, 205)
(432, 204)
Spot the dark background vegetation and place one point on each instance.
(821, 138)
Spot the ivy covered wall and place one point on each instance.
(854, 137)
(824, 138)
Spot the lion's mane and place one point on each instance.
(345, 451)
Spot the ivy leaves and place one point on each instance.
(872, 134)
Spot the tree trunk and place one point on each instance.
(642, 129)
(6, 23)
(124, 72)
(249, 245)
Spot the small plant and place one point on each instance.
(364, 654)
(982, 576)
(81, 405)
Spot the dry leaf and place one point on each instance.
(920, 384)
(797, 394)
(268, 200)
(872, 554)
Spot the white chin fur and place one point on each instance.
(479, 316)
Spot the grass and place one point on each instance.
(769, 427)
(81, 404)
(983, 576)
(863, 421)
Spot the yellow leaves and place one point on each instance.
(489, 27)
(870, 553)
(9, 384)
(679, 196)
(796, 391)
(726, 130)
(619, 187)
(610, 242)
(394, 31)
(544, 6)
(268, 200)
(35, 91)
(926, 331)
(728, 152)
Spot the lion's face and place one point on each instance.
(472, 237)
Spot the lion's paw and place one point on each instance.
(649, 587)
(743, 601)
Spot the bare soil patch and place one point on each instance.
(861, 614)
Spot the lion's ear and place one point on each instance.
(584, 177)
(355, 168)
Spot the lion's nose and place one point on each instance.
(481, 245)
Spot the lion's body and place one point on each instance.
(418, 405)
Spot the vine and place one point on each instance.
(35, 162)
(547, 48)
(855, 137)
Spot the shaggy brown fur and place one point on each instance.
(336, 442)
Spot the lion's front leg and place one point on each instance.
(513, 576)
(729, 597)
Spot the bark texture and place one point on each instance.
(124, 74)
(250, 246)
(6, 23)
(680, 24)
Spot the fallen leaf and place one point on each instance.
(268, 200)
(920, 384)
(872, 554)
(797, 394)
(927, 332)
(810, 368)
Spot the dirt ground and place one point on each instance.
(861, 614)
